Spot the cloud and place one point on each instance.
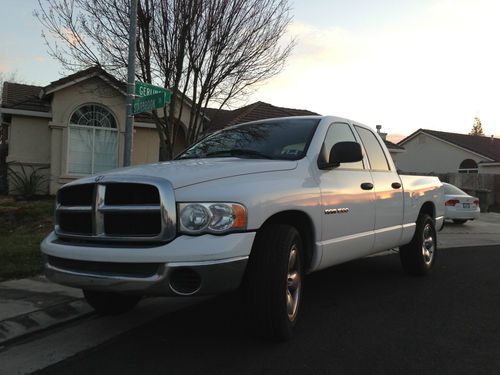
(438, 70)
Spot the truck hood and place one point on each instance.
(182, 173)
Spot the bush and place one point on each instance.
(27, 184)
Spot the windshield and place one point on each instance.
(277, 139)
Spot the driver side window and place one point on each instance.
(340, 132)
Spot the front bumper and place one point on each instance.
(202, 265)
(211, 277)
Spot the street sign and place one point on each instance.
(143, 89)
(148, 103)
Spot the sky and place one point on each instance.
(404, 64)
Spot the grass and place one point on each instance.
(23, 225)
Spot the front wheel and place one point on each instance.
(109, 303)
(418, 257)
(273, 281)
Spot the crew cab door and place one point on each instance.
(347, 204)
(388, 191)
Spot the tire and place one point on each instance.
(418, 257)
(273, 281)
(459, 221)
(109, 303)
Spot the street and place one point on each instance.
(363, 317)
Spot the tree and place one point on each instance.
(477, 128)
(210, 51)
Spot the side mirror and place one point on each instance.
(342, 152)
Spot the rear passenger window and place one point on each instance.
(340, 132)
(375, 152)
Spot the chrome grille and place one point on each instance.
(116, 208)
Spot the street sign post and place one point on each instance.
(148, 103)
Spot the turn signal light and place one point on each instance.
(451, 202)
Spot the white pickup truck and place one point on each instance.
(255, 206)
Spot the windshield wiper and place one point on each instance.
(239, 153)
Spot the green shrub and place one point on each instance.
(25, 183)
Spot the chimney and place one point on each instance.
(382, 135)
(492, 138)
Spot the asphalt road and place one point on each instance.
(363, 317)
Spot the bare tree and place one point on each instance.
(205, 51)
(477, 127)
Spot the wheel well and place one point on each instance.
(429, 209)
(303, 223)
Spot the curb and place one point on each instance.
(17, 327)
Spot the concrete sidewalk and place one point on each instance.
(33, 304)
(30, 305)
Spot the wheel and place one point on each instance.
(273, 281)
(109, 303)
(418, 257)
(459, 221)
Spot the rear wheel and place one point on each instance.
(418, 257)
(273, 281)
(459, 221)
(109, 303)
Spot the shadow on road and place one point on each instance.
(364, 317)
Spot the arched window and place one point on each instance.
(468, 166)
(93, 140)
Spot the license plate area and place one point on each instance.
(466, 205)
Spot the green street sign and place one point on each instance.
(148, 103)
(146, 89)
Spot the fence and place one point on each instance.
(484, 186)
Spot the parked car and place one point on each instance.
(458, 205)
(256, 206)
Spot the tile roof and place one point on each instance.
(220, 118)
(24, 97)
(486, 146)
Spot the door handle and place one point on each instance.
(396, 185)
(366, 186)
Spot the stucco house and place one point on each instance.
(75, 127)
(431, 151)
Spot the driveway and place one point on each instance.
(481, 232)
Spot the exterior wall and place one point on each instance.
(64, 103)
(425, 154)
(490, 170)
(146, 146)
(29, 140)
(29, 149)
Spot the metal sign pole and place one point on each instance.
(129, 121)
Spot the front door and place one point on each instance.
(348, 204)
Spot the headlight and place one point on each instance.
(197, 218)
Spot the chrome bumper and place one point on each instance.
(214, 277)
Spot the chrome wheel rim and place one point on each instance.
(428, 244)
(294, 283)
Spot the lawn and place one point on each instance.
(23, 225)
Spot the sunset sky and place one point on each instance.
(405, 64)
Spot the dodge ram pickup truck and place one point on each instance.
(253, 207)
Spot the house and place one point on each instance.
(75, 127)
(431, 151)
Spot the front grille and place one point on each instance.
(105, 268)
(117, 209)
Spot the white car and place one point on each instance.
(459, 206)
